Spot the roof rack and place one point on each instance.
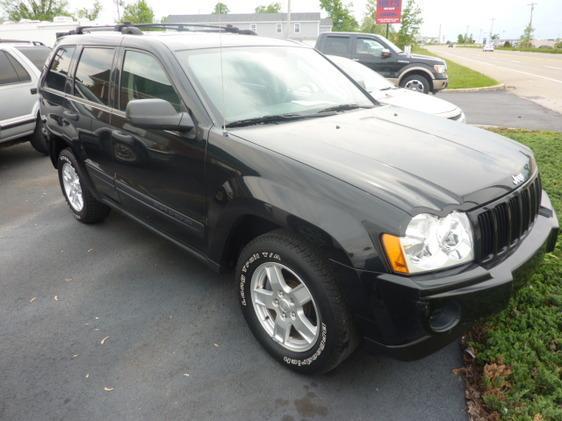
(130, 29)
(20, 41)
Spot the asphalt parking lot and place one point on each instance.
(112, 322)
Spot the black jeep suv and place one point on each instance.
(411, 71)
(344, 219)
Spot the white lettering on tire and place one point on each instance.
(313, 357)
(254, 257)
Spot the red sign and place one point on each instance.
(389, 11)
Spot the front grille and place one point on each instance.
(502, 225)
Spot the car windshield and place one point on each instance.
(371, 80)
(264, 82)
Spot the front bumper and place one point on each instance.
(439, 84)
(410, 317)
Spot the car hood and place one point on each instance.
(417, 101)
(430, 59)
(417, 162)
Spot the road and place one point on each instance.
(176, 343)
(534, 76)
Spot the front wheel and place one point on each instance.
(417, 83)
(292, 304)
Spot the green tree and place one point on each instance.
(220, 9)
(270, 8)
(460, 39)
(342, 19)
(412, 20)
(34, 9)
(369, 21)
(558, 43)
(138, 12)
(91, 14)
(526, 40)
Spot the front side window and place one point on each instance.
(368, 46)
(142, 78)
(91, 80)
(253, 82)
(60, 65)
(11, 71)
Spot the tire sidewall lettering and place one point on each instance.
(264, 255)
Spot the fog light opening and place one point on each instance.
(445, 317)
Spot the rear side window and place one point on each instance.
(37, 55)
(143, 77)
(338, 46)
(60, 65)
(92, 74)
(11, 71)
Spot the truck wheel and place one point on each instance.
(292, 304)
(38, 140)
(416, 83)
(81, 202)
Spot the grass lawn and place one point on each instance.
(533, 50)
(461, 76)
(517, 369)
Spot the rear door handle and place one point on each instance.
(70, 115)
(122, 137)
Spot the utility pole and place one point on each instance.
(492, 28)
(288, 19)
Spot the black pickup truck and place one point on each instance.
(411, 71)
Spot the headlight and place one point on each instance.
(440, 68)
(431, 243)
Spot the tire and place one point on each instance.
(417, 83)
(82, 203)
(329, 334)
(38, 139)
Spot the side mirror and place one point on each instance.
(157, 114)
(385, 53)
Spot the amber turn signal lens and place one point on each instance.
(395, 253)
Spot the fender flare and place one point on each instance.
(415, 68)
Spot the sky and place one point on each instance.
(454, 16)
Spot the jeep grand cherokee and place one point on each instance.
(344, 219)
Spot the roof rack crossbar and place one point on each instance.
(135, 29)
(20, 41)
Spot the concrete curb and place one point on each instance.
(498, 87)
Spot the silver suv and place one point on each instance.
(21, 63)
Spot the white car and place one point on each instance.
(489, 47)
(386, 93)
(21, 63)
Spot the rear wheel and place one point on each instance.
(38, 139)
(292, 304)
(417, 83)
(82, 203)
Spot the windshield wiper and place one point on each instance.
(343, 107)
(266, 119)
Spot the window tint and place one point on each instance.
(337, 46)
(23, 76)
(7, 72)
(56, 76)
(91, 80)
(37, 55)
(368, 46)
(142, 78)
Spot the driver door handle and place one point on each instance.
(122, 137)
(69, 115)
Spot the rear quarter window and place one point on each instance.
(60, 66)
(11, 71)
(37, 55)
